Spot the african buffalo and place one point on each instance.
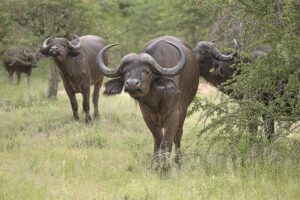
(163, 79)
(216, 68)
(19, 60)
(76, 61)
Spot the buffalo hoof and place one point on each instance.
(88, 120)
(76, 117)
(155, 163)
(96, 115)
(165, 171)
(178, 159)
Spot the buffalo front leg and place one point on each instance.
(74, 103)
(170, 131)
(157, 137)
(97, 87)
(10, 76)
(177, 141)
(86, 104)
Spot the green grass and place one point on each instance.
(44, 154)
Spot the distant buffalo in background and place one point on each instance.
(19, 60)
(163, 79)
(76, 61)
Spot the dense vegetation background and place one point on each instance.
(46, 155)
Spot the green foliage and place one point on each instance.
(130, 22)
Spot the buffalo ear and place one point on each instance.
(44, 52)
(73, 52)
(113, 87)
(165, 83)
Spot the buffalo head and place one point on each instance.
(60, 48)
(209, 56)
(30, 58)
(137, 73)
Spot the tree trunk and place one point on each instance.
(53, 82)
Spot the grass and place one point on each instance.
(44, 154)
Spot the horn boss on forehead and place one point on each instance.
(112, 73)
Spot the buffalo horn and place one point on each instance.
(45, 43)
(77, 46)
(111, 73)
(218, 55)
(169, 71)
(26, 53)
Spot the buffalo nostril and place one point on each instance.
(126, 83)
(54, 48)
(132, 83)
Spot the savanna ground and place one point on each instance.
(45, 154)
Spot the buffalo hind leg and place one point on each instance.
(97, 87)
(74, 104)
(86, 104)
(269, 128)
(28, 78)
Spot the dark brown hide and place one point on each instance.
(20, 61)
(78, 69)
(163, 99)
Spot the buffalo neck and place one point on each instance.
(68, 66)
(150, 101)
(158, 100)
(215, 80)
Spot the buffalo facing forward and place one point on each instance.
(163, 79)
(76, 61)
(20, 61)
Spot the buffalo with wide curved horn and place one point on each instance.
(76, 61)
(163, 79)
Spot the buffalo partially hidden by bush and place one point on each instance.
(218, 71)
(19, 60)
(76, 61)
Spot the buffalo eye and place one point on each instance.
(202, 52)
(144, 72)
(126, 73)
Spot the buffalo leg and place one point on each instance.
(269, 127)
(10, 76)
(177, 141)
(74, 103)
(28, 78)
(53, 82)
(97, 87)
(19, 77)
(157, 138)
(252, 125)
(86, 104)
(170, 131)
